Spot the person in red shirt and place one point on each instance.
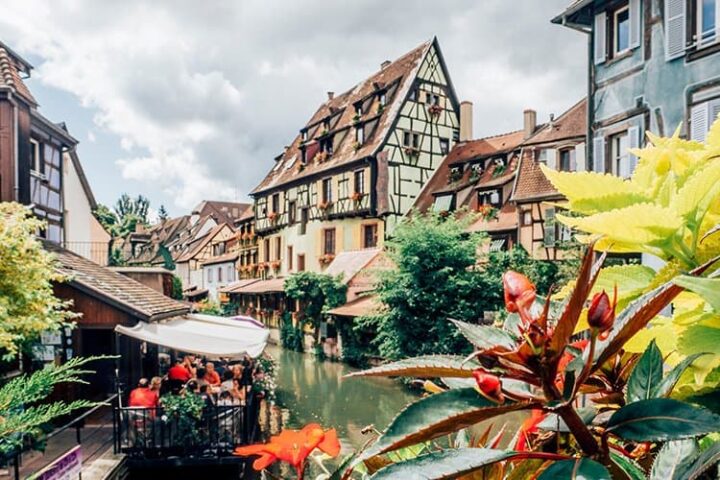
(211, 375)
(179, 372)
(143, 396)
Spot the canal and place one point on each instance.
(312, 391)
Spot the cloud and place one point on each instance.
(203, 95)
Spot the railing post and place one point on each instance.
(16, 466)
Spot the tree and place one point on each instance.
(27, 304)
(162, 213)
(317, 293)
(433, 280)
(177, 288)
(125, 216)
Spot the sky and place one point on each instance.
(182, 101)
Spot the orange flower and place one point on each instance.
(601, 315)
(489, 385)
(293, 447)
(529, 426)
(519, 292)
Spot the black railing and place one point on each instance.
(155, 433)
(98, 252)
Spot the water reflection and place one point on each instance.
(313, 391)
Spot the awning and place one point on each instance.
(274, 285)
(205, 335)
(359, 307)
(238, 284)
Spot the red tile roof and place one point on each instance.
(10, 66)
(397, 78)
(571, 124)
(484, 147)
(359, 307)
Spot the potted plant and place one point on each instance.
(358, 196)
(487, 212)
(435, 110)
(327, 258)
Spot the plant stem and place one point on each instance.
(579, 430)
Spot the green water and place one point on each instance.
(311, 391)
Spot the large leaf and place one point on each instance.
(578, 469)
(445, 464)
(646, 375)
(708, 288)
(628, 466)
(428, 366)
(666, 385)
(662, 419)
(485, 337)
(439, 415)
(700, 464)
(672, 457)
(574, 305)
(553, 422)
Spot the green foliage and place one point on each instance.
(316, 293)
(578, 469)
(184, 412)
(209, 307)
(177, 288)
(27, 272)
(436, 278)
(125, 216)
(162, 213)
(265, 384)
(23, 414)
(291, 336)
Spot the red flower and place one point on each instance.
(293, 447)
(489, 385)
(601, 314)
(528, 427)
(519, 291)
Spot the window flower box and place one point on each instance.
(358, 196)
(435, 110)
(273, 217)
(326, 259)
(488, 212)
(412, 151)
(275, 265)
(325, 206)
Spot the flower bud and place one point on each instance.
(601, 314)
(489, 385)
(519, 291)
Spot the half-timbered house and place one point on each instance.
(357, 166)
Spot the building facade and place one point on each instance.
(653, 66)
(357, 166)
(558, 144)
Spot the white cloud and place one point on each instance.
(203, 95)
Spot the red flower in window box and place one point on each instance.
(358, 196)
(487, 212)
(325, 206)
(412, 151)
(327, 258)
(321, 157)
(435, 110)
(273, 216)
(262, 266)
(275, 264)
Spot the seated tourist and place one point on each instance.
(211, 376)
(227, 383)
(143, 396)
(179, 371)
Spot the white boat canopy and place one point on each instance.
(206, 335)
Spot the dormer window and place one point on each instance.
(490, 197)
(360, 135)
(358, 110)
(326, 145)
(304, 136)
(382, 98)
(477, 169)
(303, 156)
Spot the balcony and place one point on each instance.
(98, 252)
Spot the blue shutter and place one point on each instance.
(635, 24)
(675, 33)
(599, 155)
(600, 38)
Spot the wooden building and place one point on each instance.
(357, 165)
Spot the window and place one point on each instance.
(428, 98)
(360, 135)
(292, 211)
(621, 30)
(619, 157)
(327, 190)
(567, 160)
(278, 248)
(360, 181)
(436, 99)
(407, 138)
(290, 257)
(329, 241)
(266, 248)
(303, 155)
(218, 249)
(383, 98)
(490, 197)
(702, 116)
(326, 145)
(541, 155)
(416, 140)
(230, 273)
(304, 215)
(549, 228)
(358, 109)
(275, 203)
(219, 274)
(707, 21)
(526, 217)
(444, 146)
(444, 203)
(304, 135)
(370, 235)
(209, 275)
(412, 96)
(301, 262)
(36, 163)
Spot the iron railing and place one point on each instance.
(155, 433)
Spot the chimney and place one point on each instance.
(466, 121)
(385, 64)
(529, 123)
(331, 95)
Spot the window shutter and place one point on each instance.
(600, 37)
(551, 158)
(635, 23)
(699, 115)
(549, 235)
(633, 142)
(674, 29)
(599, 155)
(580, 159)
(714, 109)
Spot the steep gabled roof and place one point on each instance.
(350, 263)
(114, 288)
(12, 66)
(396, 78)
(531, 183)
(222, 212)
(202, 242)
